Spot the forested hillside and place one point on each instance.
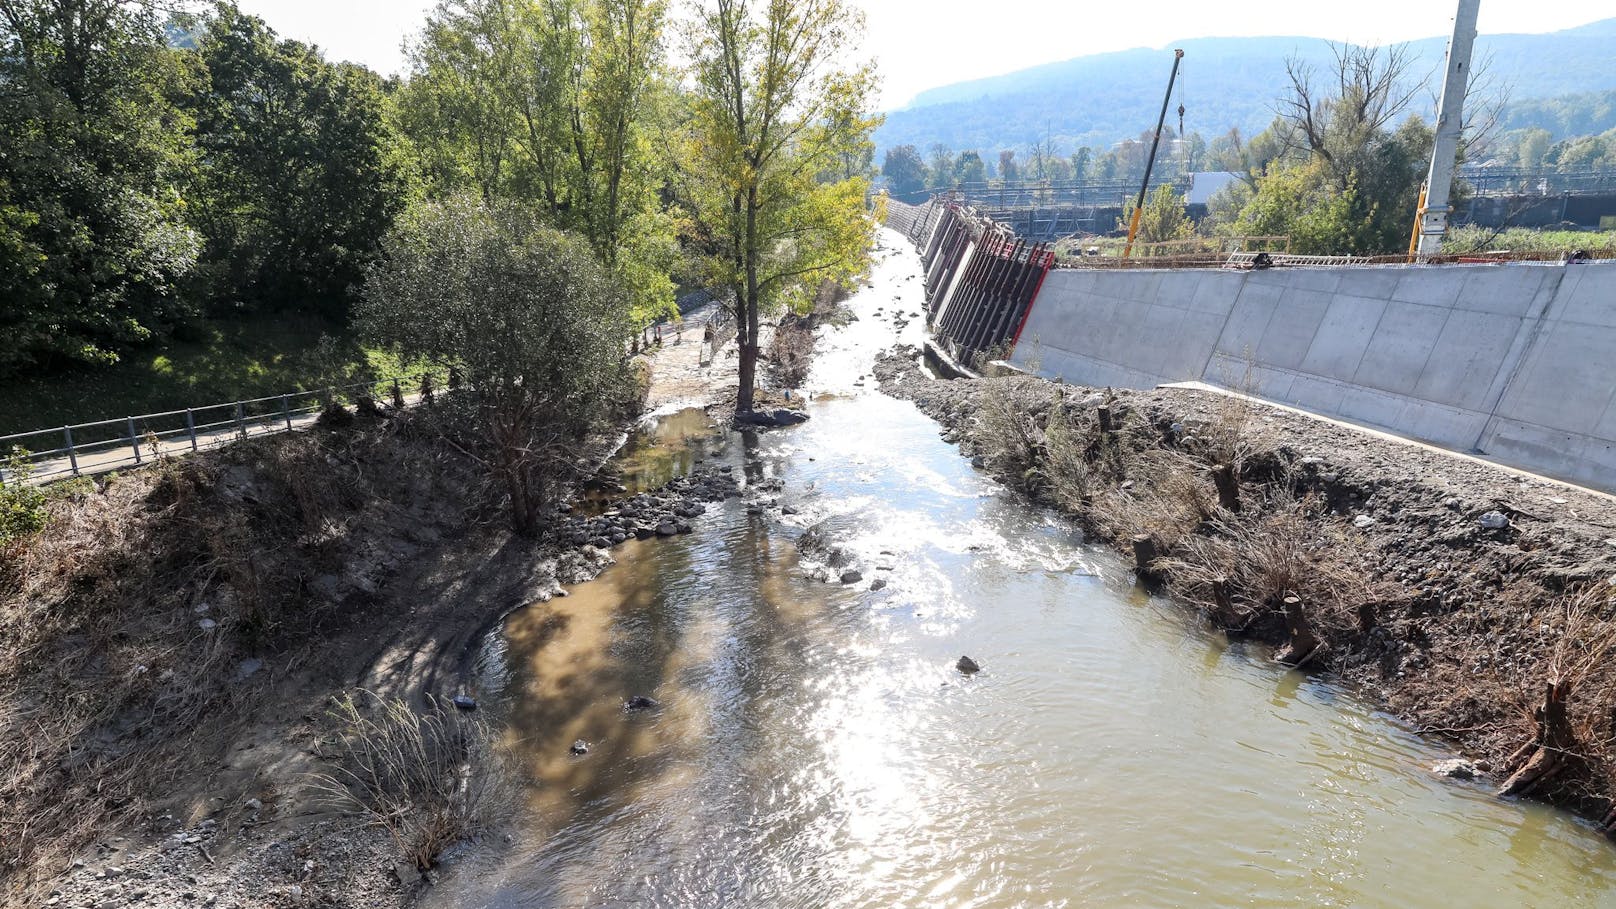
(1563, 82)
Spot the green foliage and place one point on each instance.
(527, 315)
(92, 234)
(22, 505)
(904, 170)
(1336, 176)
(1300, 202)
(1163, 218)
(1470, 238)
(218, 360)
(772, 111)
(297, 178)
(554, 104)
(970, 168)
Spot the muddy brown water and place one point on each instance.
(816, 747)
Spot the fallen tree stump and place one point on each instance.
(1553, 749)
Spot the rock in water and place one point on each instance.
(641, 702)
(852, 576)
(465, 702)
(967, 666)
(878, 583)
(1456, 768)
(579, 747)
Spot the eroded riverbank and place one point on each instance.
(816, 747)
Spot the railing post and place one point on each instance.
(241, 423)
(72, 456)
(286, 411)
(134, 443)
(190, 426)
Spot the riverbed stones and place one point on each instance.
(667, 529)
(639, 703)
(852, 576)
(579, 748)
(967, 666)
(465, 702)
(1493, 520)
(878, 584)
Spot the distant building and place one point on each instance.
(1204, 185)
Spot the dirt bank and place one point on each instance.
(1473, 601)
(174, 640)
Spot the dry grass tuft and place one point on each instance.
(430, 777)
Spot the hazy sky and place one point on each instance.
(921, 44)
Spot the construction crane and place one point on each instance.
(1150, 163)
(1432, 220)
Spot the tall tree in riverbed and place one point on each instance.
(774, 109)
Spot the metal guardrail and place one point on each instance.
(104, 445)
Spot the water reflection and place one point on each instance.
(816, 747)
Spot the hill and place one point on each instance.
(1100, 99)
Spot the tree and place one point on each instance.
(773, 108)
(941, 167)
(905, 171)
(553, 102)
(297, 177)
(528, 317)
(1081, 160)
(1009, 172)
(1344, 180)
(93, 242)
(1163, 219)
(969, 168)
(1532, 147)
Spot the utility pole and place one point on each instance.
(1150, 163)
(1433, 215)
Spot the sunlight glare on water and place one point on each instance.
(816, 747)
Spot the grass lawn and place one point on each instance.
(228, 361)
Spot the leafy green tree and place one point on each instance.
(1163, 219)
(554, 102)
(1346, 180)
(1081, 161)
(528, 317)
(905, 171)
(93, 240)
(969, 168)
(773, 107)
(297, 177)
(1532, 147)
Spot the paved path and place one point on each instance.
(682, 372)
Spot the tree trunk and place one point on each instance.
(1554, 747)
(1228, 486)
(1302, 644)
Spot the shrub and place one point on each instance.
(22, 505)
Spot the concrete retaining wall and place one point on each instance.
(1515, 361)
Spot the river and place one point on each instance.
(817, 747)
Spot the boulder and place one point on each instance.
(967, 665)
